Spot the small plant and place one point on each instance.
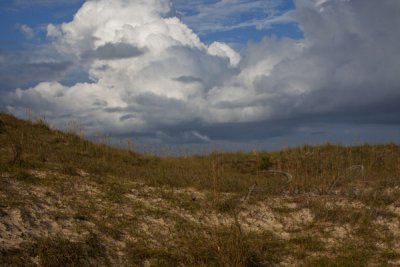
(69, 169)
(42, 123)
(265, 163)
(75, 128)
(16, 146)
(227, 205)
(130, 145)
(2, 127)
(25, 176)
(62, 252)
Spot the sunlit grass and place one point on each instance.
(111, 193)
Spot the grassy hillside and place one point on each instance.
(65, 201)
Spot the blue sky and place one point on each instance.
(240, 73)
(38, 14)
(35, 15)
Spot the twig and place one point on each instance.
(288, 175)
(253, 186)
(354, 167)
(251, 189)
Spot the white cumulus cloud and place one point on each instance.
(224, 50)
(147, 68)
(149, 71)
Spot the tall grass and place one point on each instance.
(318, 169)
(326, 171)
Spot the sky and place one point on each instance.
(240, 74)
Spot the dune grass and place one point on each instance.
(88, 184)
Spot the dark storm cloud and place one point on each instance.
(347, 67)
(115, 110)
(111, 51)
(150, 105)
(126, 117)
(188, 79)
(16, 72)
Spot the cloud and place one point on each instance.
(195, 137)
(334, 68)
(147, 68)
(151, 75)
(217, 16)
(188, 79)
(223, 50)
(25, 30)
(31, 64)
(110, 51)
(30, 3)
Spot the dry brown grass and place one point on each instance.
(65, 201)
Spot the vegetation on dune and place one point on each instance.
(67, 201)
